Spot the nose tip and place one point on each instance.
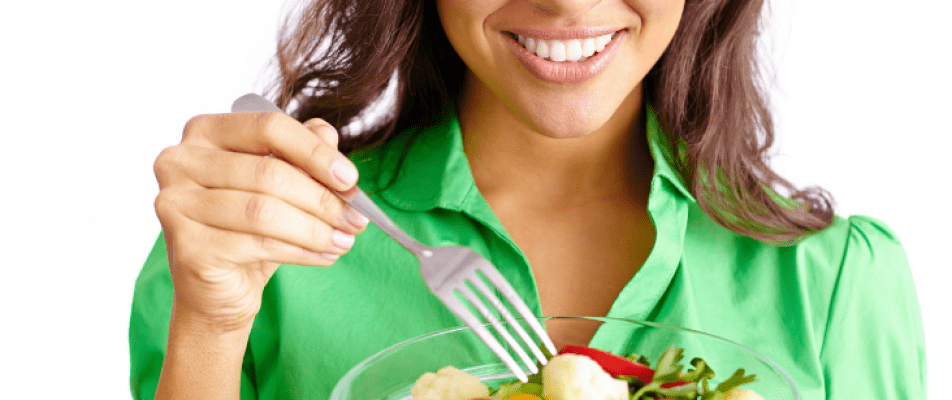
(566, 8)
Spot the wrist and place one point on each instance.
(203, 359)
(189, 319)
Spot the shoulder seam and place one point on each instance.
(836, 287)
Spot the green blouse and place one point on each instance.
(838, 311)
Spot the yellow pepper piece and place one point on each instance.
(523, 396)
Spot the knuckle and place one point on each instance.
(167, 164)
(318, 151)
(328, 203)
(165, 205)
(195, 125)
(259, 210)
(266, 244)
(268, 172)
(188, 248)
(269, 122)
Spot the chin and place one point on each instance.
(565, 130)
(566, 121)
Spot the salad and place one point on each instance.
(585, 373)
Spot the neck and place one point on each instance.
(514, 164)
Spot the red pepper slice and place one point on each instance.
(673, 384)
(612, 364)
(618, 365)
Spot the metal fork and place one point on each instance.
(451, 273)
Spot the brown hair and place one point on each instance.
(339, 58)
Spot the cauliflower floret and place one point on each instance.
(742, 394)
(576, 377)
(448, 384)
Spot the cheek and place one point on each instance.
(659, 22)
(449, 12)
(465, 25)
(459, 16)
(462, 23)
(657, 7)
(660, 19)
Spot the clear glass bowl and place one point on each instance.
(391, 373)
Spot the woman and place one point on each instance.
(519, 130)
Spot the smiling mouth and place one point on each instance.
(570, 50)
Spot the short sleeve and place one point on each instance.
(874, 347)
(149, 328)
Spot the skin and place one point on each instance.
(580, 148)
(231, 213)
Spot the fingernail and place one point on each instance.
(330, 256)
(355, 217)
(344, 172)
(342, 240)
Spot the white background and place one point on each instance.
(90, 92)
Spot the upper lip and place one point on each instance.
(557, 33)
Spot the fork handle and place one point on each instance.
(355, 197)
(359, 200)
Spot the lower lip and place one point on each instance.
(566, 72)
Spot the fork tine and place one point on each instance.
(475, 301)
(480, 330)
(494, 277)
(494, 300)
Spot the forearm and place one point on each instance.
(202, 361)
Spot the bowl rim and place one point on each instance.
(338, 391)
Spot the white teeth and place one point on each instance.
(572, 50)
(588, 47)
(557, 51)
(601, 41)
(542, 49)
(530, 45)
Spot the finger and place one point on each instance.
(324, 130)
(242, 249)
(262, 215)
(197, 244)
(169, 167)
(274, 133)
(217, 169)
